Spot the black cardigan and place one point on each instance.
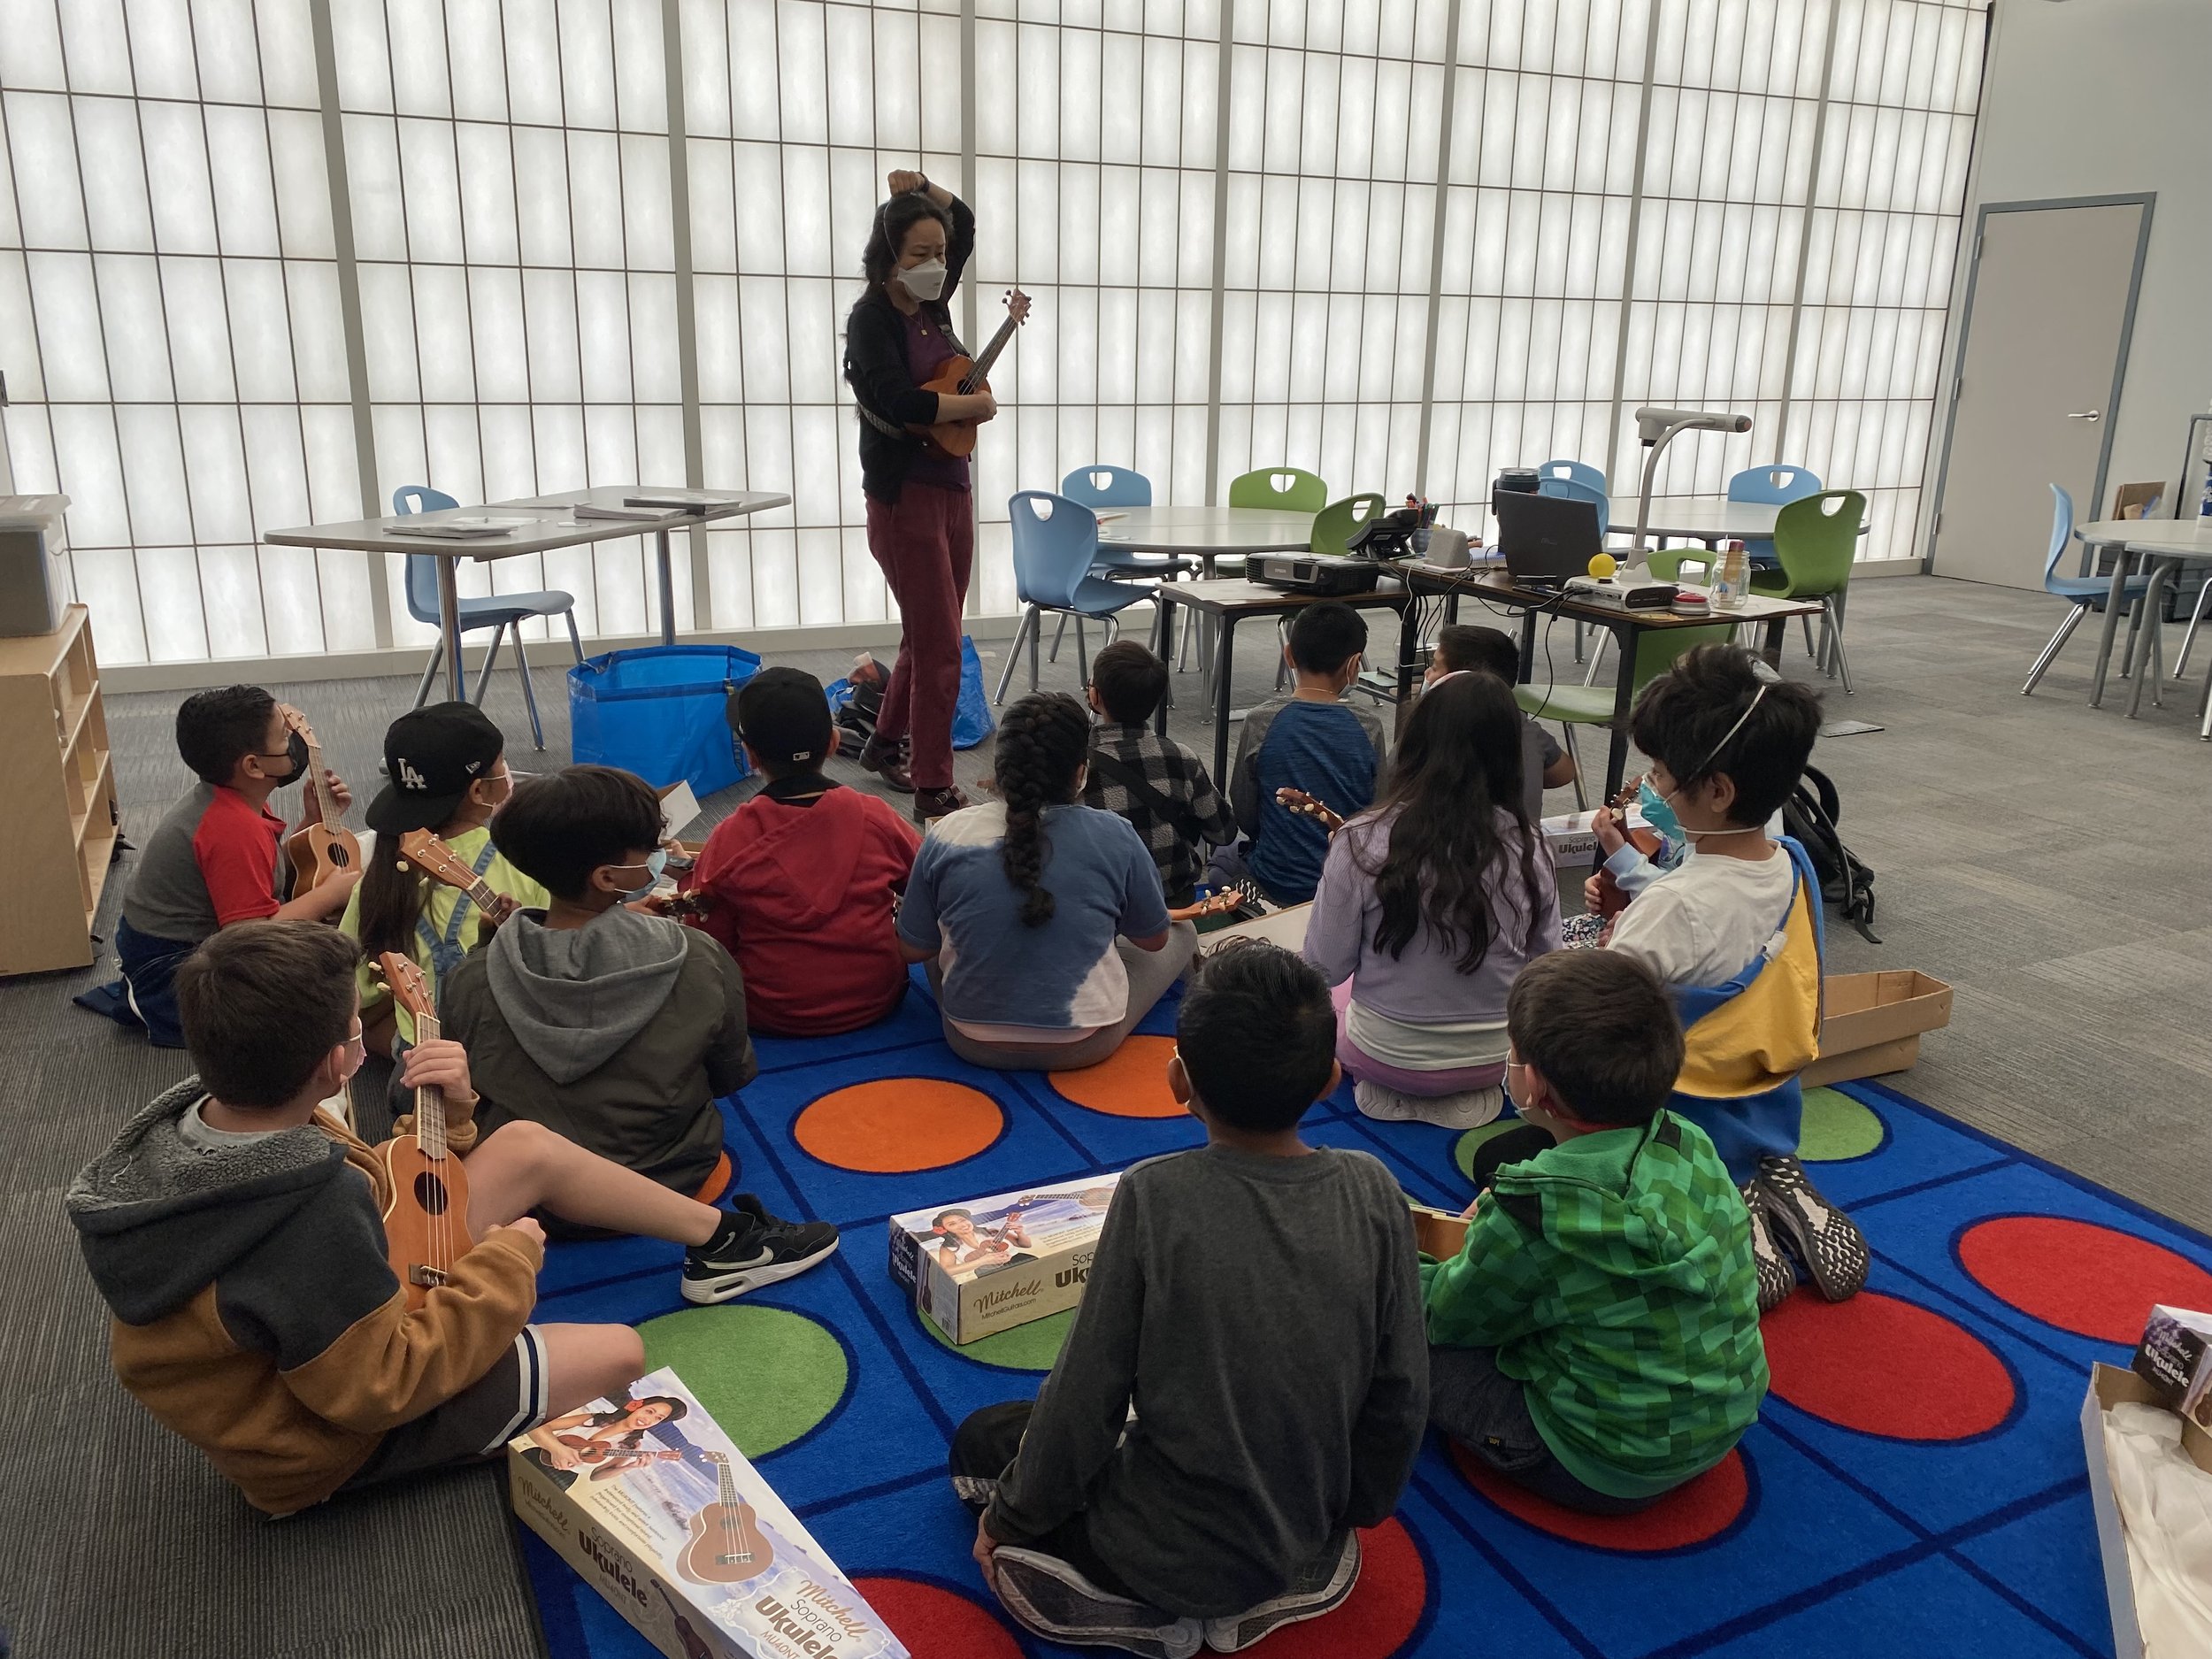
(875, 367)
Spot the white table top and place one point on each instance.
(2175, 538)
(1698, 516)
(554, 529)
(1202, 530)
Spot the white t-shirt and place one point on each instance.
(1704, 922)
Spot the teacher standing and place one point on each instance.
(921, 527)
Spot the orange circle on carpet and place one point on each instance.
(935, 1622)
(2093, 1281)
(1131, 1082)
(1383, 1610)
(1694, 1513)
(900, 1124)
(1882, 1365)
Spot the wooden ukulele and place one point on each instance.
(425, 1220)
(727, 1545)
(427, 853)
(322, 847)
(1611, 900)
(1228, 902)
(1299, 801)
(962, 377)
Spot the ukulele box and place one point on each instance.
(657, 1510)
(988, 1264)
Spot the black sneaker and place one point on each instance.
(1321, 1589)
(754, 1249)
(1818, 1234)
(888, 762)
(1776, 1277)
(1048, 1596)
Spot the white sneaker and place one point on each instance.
(1321, 1589)
(1469, 1110)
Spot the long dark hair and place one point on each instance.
(887, 235)
(1041, 744)
(392, 896)
(1458, 765)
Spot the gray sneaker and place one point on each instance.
(1776, 1277)
(1825, 1239)
(1321, 1589)
(1051, 1599)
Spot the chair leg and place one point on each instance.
(1082, 651)
(1807, 624)
(1014, 653)
(1831, 636)
(484, 674)
(2135, 628)
(429, 674)
(1036, 636)
(575, 639)
(1567, 731)
(1059, 634)
(1597, 656)
(529, 691)
(2074, 615)
(2189, 635)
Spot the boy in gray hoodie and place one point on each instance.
(617, 1029)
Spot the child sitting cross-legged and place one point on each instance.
(617, 1029)
(1734, 932)
(1255, 1301)
(1312, 741)
(1041, 920)
(1597, 1337)
(236, 1232)
(1428, 906)
(1150, 779)
(800, 883)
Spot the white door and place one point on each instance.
(2043, 346)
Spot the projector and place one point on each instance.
(1331, 575)
(1631, 595)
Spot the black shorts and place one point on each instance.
(475, 1425)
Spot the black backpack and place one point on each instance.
(1808, 817)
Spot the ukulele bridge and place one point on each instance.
(427, 1277)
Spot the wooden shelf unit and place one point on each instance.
(58, 836)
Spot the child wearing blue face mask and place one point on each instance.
(617, 1028)
(1734, 930)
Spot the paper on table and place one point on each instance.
(679, 807)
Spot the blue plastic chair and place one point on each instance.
(501, 612)
(2083, 593)
(1056, 546)
(1099, 485)
(1574, 472)
(1566, 488)
(1775, 485)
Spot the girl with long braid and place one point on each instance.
(1041, 920)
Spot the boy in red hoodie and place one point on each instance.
(798, 883)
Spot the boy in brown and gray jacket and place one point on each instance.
(235, 1230)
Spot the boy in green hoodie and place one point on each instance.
(1596, 1339)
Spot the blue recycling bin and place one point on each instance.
(660, 711)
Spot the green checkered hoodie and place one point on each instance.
(1613, 1274)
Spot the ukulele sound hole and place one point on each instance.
(339, 857)
(430, 1193)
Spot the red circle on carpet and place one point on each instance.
(2093, 1281)
(898, 1124)
(1376, 1619)
(1693, 1513)
(935, 1622)
(1131, 1082)
(1884, 1366)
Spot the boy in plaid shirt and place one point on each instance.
(1596, 1339)
(1155, 783)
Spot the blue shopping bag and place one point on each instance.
(971, 720)
(661, 712)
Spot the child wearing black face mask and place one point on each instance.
(215, 858)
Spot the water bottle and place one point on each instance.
(1731, 578)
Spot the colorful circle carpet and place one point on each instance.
(1915, 1484)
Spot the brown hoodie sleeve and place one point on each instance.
(327, 1305)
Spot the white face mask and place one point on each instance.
(924, 281)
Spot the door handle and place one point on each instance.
(2085, 414)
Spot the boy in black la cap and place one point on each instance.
(798, 882)
(445, 771)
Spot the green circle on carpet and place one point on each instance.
(1031, 1347)
(1837, 1127)
(767, 1375)
(1464, 1149)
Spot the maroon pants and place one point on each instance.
(924, 543)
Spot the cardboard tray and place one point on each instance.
(1871, 1023)
(2110, 1386)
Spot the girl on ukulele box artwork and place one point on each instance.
(608, 1442)
(982, 1248)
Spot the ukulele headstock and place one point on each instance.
(404, 980)
(297, 721)
(1018, 306)
(435, 859)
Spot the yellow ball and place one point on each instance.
(1603, 566)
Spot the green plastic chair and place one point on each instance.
(1283, 486)
(1817, 539)
(1656, 649)
(1336, 524)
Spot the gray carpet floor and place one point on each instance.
(2041, 856)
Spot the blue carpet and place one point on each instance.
(1915, 1484)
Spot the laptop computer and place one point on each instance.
(1545, 539)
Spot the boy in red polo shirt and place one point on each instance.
(216, 859)
(798, 883)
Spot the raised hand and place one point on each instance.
(904, 181)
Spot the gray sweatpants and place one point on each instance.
(1150, 973)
